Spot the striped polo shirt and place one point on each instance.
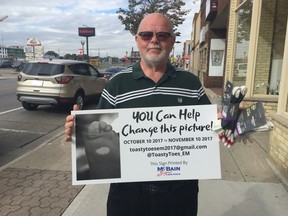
(131, 89)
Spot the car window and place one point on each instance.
(43, 69)
(80, 69)
(93, 71)
(74, 68)
(243, 66)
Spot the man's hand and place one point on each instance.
(69, 125)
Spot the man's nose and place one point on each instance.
(154, 37)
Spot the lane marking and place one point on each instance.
(13, 130)
(1, 113)
(20, 131)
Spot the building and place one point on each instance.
(3, 53)
(186, 54)
(194, 43)
(258, 41)
(13, 52)
(16, 52)
(210, 45)
(134, 56)
(255, 55)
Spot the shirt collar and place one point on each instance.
(138, 72)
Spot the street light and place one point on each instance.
(82, 43)
(2, 19)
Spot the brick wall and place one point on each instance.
(268, 105)
(222, 5)
(229, 42)
(264, 49)
(278, 147)
(278, 138)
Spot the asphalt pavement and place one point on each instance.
(39, 183)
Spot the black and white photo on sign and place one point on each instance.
(97, 147)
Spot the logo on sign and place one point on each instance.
(87, 31)
(165, 171)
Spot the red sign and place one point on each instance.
(87, 31)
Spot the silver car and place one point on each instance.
(57, 82)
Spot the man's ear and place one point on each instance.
(173, 40)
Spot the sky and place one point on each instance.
(55, 24)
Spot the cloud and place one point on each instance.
(55, 23)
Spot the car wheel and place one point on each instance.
(79, 100)
(29, 106)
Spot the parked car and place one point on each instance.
(18, 66)
(5, 64)
(57, 82)
(241, 69)
(109, 72)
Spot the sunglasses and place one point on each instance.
(148, 35)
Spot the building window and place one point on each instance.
(239, 2)
(286, 110)
(243, 23)
(283, 94)
(270, 47)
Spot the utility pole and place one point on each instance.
(82, 43)
(2, 19)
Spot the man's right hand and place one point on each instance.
(69, 125)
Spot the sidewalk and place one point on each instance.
(39, 183)
(7, 73)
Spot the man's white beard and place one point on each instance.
(155, 60)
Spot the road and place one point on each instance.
(22, 130)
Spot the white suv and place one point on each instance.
(56, 82)
(241, 69)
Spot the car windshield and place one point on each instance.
(43, 69)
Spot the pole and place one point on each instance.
(82, 43)
(2, 19)
(87, 50)
(83, 50)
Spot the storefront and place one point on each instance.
(257, 57)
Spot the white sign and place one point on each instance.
(145, 144)
(33, 42)
(28, 49)
(39, 49)
(217, 57)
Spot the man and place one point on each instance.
(152, 82)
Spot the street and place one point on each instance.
(22, 130)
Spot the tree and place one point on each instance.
(244, 22)
(51, 54)
(137, 9)
(68, 56)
